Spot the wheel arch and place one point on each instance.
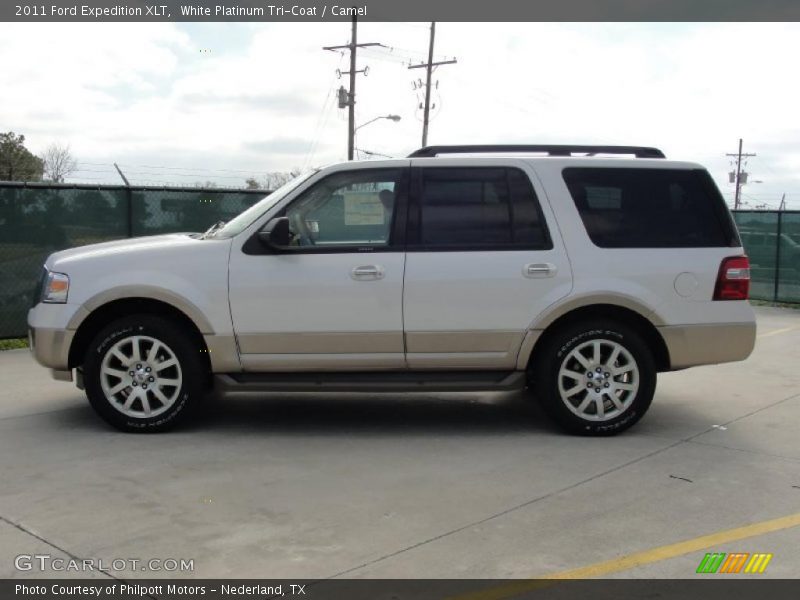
(105, 313)
(144, 293)
(624, 314)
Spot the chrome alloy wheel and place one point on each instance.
(598, 380)
(140, 376)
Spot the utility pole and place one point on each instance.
(348, 97)
(782, 207)
(429, 70)
(738, 178)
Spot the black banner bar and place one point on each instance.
(709, 587)
(397, 10)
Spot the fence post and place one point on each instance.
(777, 256)
(129, 192)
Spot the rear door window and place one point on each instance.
(477, 208)
(651, 208)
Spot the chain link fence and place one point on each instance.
(38, 219)
(772, 241)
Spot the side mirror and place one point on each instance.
(275, 233)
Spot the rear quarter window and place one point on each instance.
(651, 208)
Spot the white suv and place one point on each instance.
(564, 268)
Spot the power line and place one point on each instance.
(319, 128)
(370, 153)
(80, 170)
(195, 175)
(171, 168)
(322, 117)
(164, 177)
(766, 165)
(195, 169)
(397, 55)
(760, 203)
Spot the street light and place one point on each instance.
(394, 118)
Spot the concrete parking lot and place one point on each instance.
(442, 486)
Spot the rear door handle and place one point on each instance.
(539, 270)
(367, 273)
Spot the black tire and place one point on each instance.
(543, 378)
(190, 371)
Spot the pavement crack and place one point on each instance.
(23, 529)
(73, 556)
(745, 450)
(745, 416)
(508, 510)
(517, 507)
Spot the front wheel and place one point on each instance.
(594, 378)
(142, 373)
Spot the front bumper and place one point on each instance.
(708, 344)
(50, 347)
(49, 335)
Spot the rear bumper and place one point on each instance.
(693, 345)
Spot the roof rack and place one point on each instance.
(551, 150)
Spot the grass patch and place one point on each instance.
(13, 344)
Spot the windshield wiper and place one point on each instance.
(213, 229)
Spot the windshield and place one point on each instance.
(243, 220)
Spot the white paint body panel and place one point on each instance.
(481, 293)
(451, 309)
(645, 274)
(314, 295)
(194, 270)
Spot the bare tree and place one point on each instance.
(58, 162)
(277, 179)
(272, 180)
(207, 184)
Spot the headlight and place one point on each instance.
(56, 288)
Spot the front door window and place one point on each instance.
(354, 208)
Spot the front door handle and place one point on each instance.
(367, 273)
(538, 270)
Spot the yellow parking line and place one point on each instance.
(637, 559)
(777, 332)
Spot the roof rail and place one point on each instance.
(549, 149)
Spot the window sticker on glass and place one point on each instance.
(363, 208)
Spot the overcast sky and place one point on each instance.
(180, 103)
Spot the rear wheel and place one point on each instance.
(594, 378)
(142, 373)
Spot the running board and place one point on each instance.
(385, 381)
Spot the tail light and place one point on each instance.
(733, 281)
